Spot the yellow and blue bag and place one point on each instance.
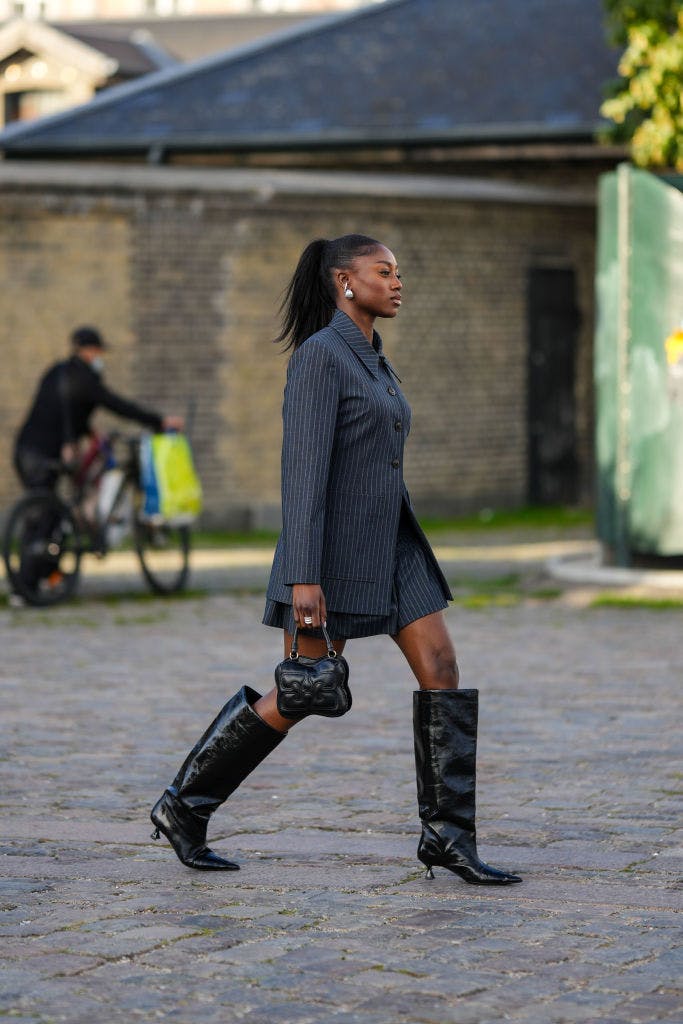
(172, 490)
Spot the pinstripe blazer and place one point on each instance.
(345, 422)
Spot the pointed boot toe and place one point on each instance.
(207, 860)
(482, 874)
(494, 876)
(186, 832)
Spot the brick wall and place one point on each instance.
(184, 272)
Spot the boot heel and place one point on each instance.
(430, 873)
(156, 834)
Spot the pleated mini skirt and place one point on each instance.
(417, 590)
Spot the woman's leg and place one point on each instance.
(445, 729)
(234, 744)
(430, 653)
(266, 707)
(245, 731)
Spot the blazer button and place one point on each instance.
(398, 425)
(395, 463)
(391, 390)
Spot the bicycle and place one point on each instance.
(95, 507)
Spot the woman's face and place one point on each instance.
(375, 282)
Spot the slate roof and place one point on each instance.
(407, 71)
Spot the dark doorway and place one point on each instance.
(553, 326)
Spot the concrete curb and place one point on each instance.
(588, 569)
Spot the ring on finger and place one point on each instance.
(308, 621)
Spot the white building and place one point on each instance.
(44, 69)
(64, 10)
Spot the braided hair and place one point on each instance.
(309, 300)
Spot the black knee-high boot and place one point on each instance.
(445, 725)
(233, 745)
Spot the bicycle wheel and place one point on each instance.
(41, 549)
(164, 553)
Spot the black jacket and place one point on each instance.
(345, 425)
(66, 398)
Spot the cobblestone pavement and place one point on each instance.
(330, 918)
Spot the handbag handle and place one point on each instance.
(294, 651)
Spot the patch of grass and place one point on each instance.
(545, 593)
(480, 602)
(631, 601)
(234, 538)
(510, 581)
(531, 517)
(498, 591)
(490, 519)
(144, 597)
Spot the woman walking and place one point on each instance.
(351, 557)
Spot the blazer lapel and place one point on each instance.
(357, 342)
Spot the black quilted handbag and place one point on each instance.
(313, 686)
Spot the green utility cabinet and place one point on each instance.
(639, 364)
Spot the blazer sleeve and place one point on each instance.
(309, 418)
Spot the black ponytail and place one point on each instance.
(310, 299)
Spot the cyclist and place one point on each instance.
(59, 417)
(67, 396)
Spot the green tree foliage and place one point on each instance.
(647, 106)
(624, 14)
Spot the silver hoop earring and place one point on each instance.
(348, 294)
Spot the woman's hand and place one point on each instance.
(308, 602)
